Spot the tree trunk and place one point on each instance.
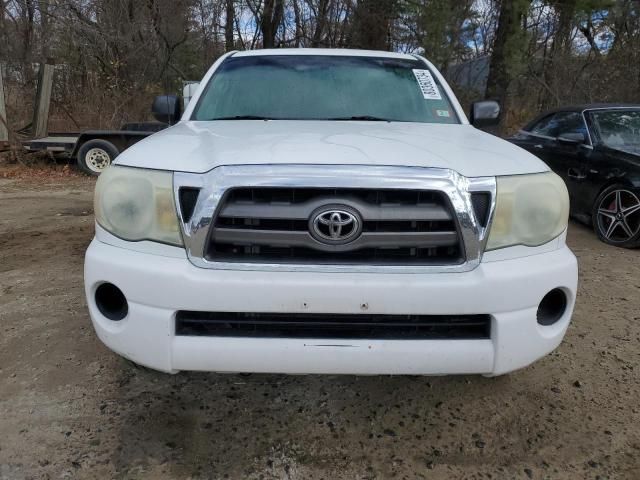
(508, 52)
(560, 47)
(271, 17)
(28, 14)
(321, 21)
(229, 44)
(586, 31)
(3, 27)
(298, 22)
(43, 6)
(371, 26)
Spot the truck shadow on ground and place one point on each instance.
(278, 426)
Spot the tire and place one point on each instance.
(616, 216)
(96, 155)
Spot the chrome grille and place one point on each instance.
(272, 225)
(469, 213)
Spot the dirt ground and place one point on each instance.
(69, 408)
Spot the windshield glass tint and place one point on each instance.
(619, 129)
(324, 88)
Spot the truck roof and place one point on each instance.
(323, 51)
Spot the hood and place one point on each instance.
(630, 152)
(198, 147)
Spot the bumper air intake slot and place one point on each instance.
(481, 202)
(335, 326)
(188, 196)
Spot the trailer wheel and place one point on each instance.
(96, 155)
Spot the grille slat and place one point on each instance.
(301, 211)
(334, 326)
(279, 238)
(272, 225)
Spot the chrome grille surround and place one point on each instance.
(214, 184)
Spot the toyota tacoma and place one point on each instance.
(329, 211)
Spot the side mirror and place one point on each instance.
(575, 138)
(485, 113)
(166, 109)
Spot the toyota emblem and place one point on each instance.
(335, 224)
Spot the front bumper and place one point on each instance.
(157, 286)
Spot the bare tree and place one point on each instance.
(230, 16)
(371, 27)
(508, 49)
(272, 13)
(113, 55)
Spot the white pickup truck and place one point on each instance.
(329, 211)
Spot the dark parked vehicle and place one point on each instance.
(596, 150)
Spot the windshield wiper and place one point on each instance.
(366, 118)
(241, 117)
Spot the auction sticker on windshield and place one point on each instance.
(427, 84)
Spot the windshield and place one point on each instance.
(303, 87)
(619, 129)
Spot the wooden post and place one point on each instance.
(4, 133)
(43, 99)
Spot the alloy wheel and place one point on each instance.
(619, 216)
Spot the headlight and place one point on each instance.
(530, 210)
(137, 204)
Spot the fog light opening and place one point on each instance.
(111, 302)
(552, 307)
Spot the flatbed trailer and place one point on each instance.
(94, 150)
(59, 143)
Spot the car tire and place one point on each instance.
(616, 216)
(96, 155)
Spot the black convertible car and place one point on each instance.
(596, 150)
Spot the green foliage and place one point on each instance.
(442, 28)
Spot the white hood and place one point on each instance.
(198, 147)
